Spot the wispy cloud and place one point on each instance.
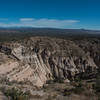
(44, 22)
(26, 19)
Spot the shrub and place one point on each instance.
(49, 82)
(16, 94)
(67, 92)
(59, 80)
(78, 90)
(97, 84)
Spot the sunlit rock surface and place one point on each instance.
(40, 59)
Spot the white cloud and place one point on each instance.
(26, 19)
(31, 22)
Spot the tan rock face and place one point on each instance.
(39, 59)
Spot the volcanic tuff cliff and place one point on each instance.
(39, 59)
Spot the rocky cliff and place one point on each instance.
(39, 59)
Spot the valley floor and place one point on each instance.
(52, 90)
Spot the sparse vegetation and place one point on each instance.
(15, 94)
(67, 92)
(96, 86)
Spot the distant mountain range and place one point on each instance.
(29, 29)
(20, 33)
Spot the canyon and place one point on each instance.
(38, 61)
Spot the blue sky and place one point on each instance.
(50, 13)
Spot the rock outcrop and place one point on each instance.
(39, 59)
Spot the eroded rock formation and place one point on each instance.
(40, 59)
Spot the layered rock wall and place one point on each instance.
(40, 59)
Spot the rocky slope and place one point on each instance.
(39, 59)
